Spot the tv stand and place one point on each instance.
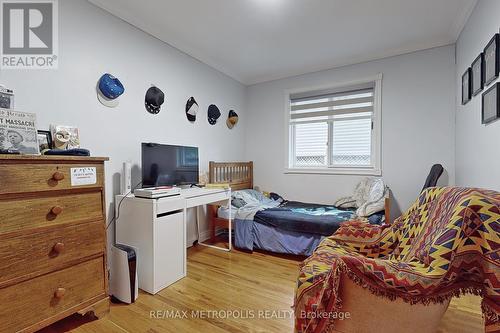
(157, 229)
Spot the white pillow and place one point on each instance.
(374, 198)
(345, 202)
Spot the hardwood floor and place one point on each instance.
(234, 286)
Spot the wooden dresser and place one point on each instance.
(52, 240)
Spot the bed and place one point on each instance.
(273, 224)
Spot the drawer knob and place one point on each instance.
(59, 293)
(57, 176)
(58, 248)
(56, 210)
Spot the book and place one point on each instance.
(18, 132)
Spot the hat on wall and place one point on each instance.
(109, 88)
(213, 114)
(232, 119)
(191, 109)
(154, 99)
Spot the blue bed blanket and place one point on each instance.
(308, 218)
(276, 225)
(294, 216)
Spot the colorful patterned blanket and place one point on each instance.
(446, 244)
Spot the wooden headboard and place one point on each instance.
(239, 175)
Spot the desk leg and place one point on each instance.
(230, 245)
(230, 225)
(185, 236)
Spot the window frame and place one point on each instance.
(375, 169)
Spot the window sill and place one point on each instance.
(335, 171)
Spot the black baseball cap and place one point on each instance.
(213, 114)
(154, 99)
(191, 109)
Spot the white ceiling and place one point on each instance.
(260, 40)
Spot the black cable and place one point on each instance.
(117, 214)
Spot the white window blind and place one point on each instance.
(311, 144)
(351, 143)
(332, 129)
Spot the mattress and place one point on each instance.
(249, 235)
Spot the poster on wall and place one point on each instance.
(18, 132)
(491, 60)
(477, 75)
(466, 86)
(491, 104)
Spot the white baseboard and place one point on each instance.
(204, 235)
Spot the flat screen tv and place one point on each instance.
(167, 165)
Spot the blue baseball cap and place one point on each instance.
(109, 89)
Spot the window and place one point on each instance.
(335, 130)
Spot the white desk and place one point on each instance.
(157, 229)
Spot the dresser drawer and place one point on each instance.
(21, 178)
(43, 211)
(32, 301)
(49, 249)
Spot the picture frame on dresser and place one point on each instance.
(477, 74)
(491, 60)
(490, 110)
(44, 140)
(466, 86)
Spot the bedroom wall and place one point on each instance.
(477, 161)
(92, 42)
(418, 106)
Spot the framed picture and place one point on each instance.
(65, 137)
(466, 86)
(491, 104)
(18, 132)
(491, 60)
(44, 140)
(478, 74)
(6, 98)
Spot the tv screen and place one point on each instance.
(166, 165)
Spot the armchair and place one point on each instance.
(401, 277)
